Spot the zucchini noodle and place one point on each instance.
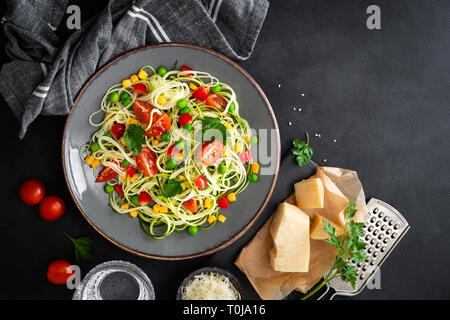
(228, 174)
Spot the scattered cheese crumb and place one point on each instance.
(294, 108)
(299, 109)
(210, 286)
(290, 123)
(303, 94)
(324, 160)
(279, 85)
(317, 135)
(334, 140)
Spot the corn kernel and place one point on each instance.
(122, 141)
(158, 137)
(124, 206)
(222, 218)
(193, 86)
(124, 177)
(89, 159)
(108, 116)
(134, 178)
(155, 142)
(183, 185)
(231, 197)
(211, 219)
(181, 177)
(163, 209)
(156, 208)
(95, 163)
(161, 100)
(227, 125)
(126, 83)
(178, 157)
(207, 202)
(238, 147)
(133, 213)
(255, 167)
(131, 121)
(247, 138)
(142, 75)
(134, 78)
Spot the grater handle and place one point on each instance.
(329, 293)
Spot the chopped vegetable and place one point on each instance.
(186, 68)
(94, 146)
(113, 97)
(144, 198)
(162, 71)
(146, 162)
(119, 189)
(193, 230)
(109, 188)
(223, 203)
(142, 75)
(191, 205)
(252, 177)
(216, 89)
(184, 119)
(201, 182)
(118, 130)
(200, 93)
(245, 156)
(106, 174)
(126, 83)
(140, 88)
(181, 103)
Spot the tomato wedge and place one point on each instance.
(216, 101)
(200, 94)
(245, 156)
(159, 126)
(172, 151)
(191, 205)
(106, 174)
(186, 68)
(184, 119)
(209, 152)
(201, 182)
(143, 110)
(118, 130)
(119, 189)
(140, 88)
(146, 162)
(144, 198)
(223, 203)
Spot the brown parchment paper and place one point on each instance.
(340, 186)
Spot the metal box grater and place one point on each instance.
(384, 229)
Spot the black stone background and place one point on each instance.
(384, 95)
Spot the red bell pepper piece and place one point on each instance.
(186, 68)
(140, 88)
(173, 151)
(130, 170)
(118, 130)
(200, 94)
(201, 182)
(223, 203)
(245, 156)
(144, 198)
(119, 189)
(184, 119)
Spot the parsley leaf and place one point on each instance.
(216, 124)
(350, 247)
(172, 188)
(82, 247)
(134, 137)
(303, 151)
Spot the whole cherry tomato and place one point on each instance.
(52, 208)
(32, 192)
(59, 271)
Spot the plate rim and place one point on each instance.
(230, 239)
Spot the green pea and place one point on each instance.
(108, 134)
(125, 163)
(181, 103)
(124, 95)
(193, 230)
(109, 188)
(165, 137)
(252, 177)
(180, 145)
(170, 164)
(94, 146)
(126, 101)
(113, 97)
(162, 71)
(188, 127)
(185, 110)
(231, 107)
(216, 88)
(135, 201)
(254, 140)
(222, 169)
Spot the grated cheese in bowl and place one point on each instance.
(210, 286)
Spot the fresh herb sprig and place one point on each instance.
(350, 248)
(82, 247)
(216, 124)
(303, 151)
(134, 137)
(172, 188)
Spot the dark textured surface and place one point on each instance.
(383, 95)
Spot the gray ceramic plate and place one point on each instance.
(124, 231)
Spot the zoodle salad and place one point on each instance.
(173, 149)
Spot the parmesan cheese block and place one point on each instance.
(290, 235)
(309, 193)
(316, 231)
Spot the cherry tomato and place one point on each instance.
(32, 192)
(130, 170)
(184, 119)
(106, 174)
(200, 93)
(140, 88)
(186, 68)
(216, 101)
(191, 205)
(52, 208)
(209, 153)
(143, 110)
(118, 130)
(144, 198)
(159, 126)
(146, 162)
(223, 203)
(119, 189)
(172, 151)
(245, 156)
(59, 271)
(201, 182)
